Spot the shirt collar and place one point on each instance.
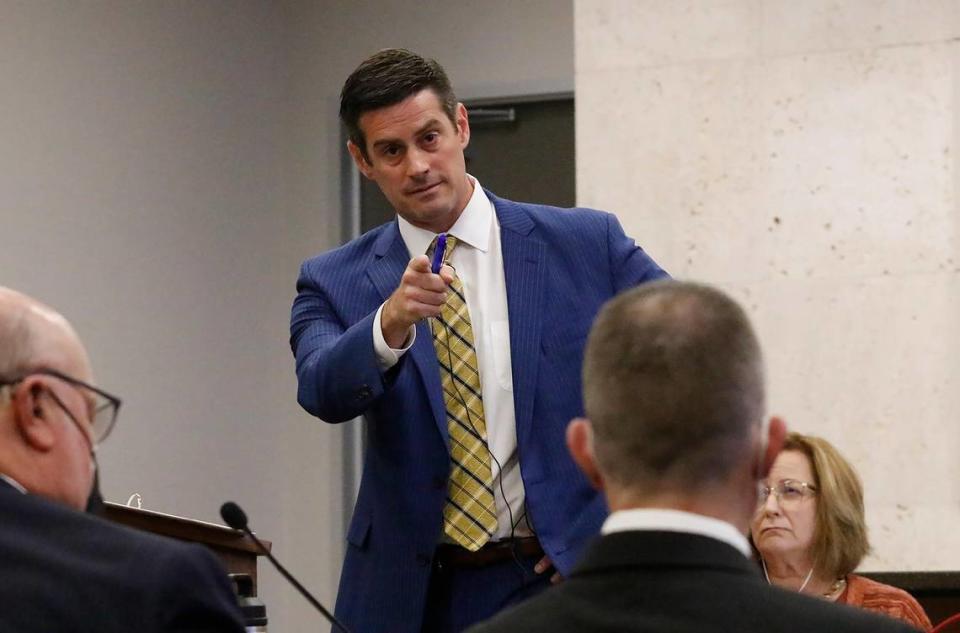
(472, 227)
(676, 521)
(13, 483)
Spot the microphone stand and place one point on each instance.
(237, 519)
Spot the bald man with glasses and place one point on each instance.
(62, 569)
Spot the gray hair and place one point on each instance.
(17, 338)
(673, 385)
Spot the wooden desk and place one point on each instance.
(938, 592)
(235, 549)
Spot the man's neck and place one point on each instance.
(713, 503)
(463, 205)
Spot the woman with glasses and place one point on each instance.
(810, 532)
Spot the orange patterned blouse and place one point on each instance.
(890, 601)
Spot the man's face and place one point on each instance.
(416, 158)
(75, 447)
(69, 411)
(45, 420)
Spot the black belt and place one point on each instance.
(491, 553)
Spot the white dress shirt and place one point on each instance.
(676, 521)
(478, 260)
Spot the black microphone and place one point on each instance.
(237, 519)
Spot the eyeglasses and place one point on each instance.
(103, 411)
(788, 492)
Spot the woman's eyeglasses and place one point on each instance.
(788, 492)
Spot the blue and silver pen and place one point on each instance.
(438, 253)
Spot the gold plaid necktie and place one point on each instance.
(470, 515)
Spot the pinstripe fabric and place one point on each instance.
(559, 266)
(470, 514)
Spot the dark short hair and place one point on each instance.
(387, 78)
(673, 386)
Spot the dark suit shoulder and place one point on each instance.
(64, 568)
(680, 601)
(47, 517)
(551, 217)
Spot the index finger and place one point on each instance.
(420, 264)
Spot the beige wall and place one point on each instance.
(144, 195)
(802, 155)
(165, 167)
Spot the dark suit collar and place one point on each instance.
(11, 484)
(654, 548)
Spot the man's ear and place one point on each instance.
(776, 432)
(580, 445)
(32, 415)
(360, 160)
(463, 126)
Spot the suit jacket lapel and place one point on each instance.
(390, 260)
(524, 270)
(6, 485)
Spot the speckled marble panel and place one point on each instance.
(650, 33)
(805, 166)
(871, 365)
(859, 148)
(675, 153)
(789, 26)
(820, 188)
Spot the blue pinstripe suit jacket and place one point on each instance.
(560, 266)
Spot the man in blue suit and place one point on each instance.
(466, 373)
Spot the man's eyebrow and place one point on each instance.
(385, 141)
(429, 124)
(432, 123)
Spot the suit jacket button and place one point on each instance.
(423, 560)
(364, 393)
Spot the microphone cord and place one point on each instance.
(237, 519)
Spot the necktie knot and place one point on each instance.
(448, 249)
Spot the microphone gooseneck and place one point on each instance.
(236, 518)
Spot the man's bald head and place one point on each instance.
(34, 335)
(46, 442)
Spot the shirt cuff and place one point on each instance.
(387, 357)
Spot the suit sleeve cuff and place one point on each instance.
(387, 357)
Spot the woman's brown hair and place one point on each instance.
(840, 536)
